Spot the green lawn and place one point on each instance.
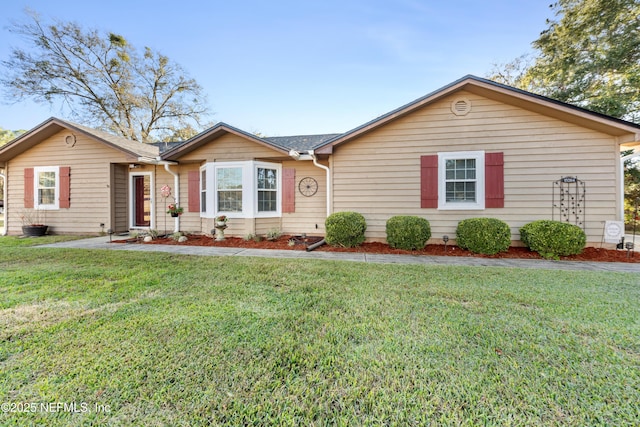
(19, 241)
(154, 339)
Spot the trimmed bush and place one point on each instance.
(483, 235)
(408, 232)
(553, 239)
(345, 229)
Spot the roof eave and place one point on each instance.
(484, 87)
(561, 110)
(110, 144)
(213, 133)
(31, 138)
(13, 147)
(392, 115)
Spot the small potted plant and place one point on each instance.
(32, 224)
(221, 220)
(174, 210)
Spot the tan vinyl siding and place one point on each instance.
(90, 163)
(264, 225)
(189, 221)
(310, 211)
(120, 194)
(378, 174)
(228, 148)
(236, 227)
(164, 222)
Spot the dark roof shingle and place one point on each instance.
(300, 142)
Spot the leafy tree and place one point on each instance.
(7, 135)
(512, 73)
(590, 56)
(631, 187)
(103, 80)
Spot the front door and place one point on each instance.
(141, 200)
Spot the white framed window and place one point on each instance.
(229, 189)
(267, 187)
(46, 187)
(461, 180)
(248, 189)
(203, 190)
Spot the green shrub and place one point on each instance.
(345, 229)
(408, 232)
(483, 235)
(553, 239)
(273, 234)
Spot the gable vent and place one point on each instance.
(461, 106)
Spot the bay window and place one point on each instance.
(203, 190)
(229, 189)
(267, 182)
(249, 189)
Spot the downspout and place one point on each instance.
(326, 168)
(4, 199)
(311, 156)
(176, 181)
(176, 185)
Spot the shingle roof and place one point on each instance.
(166, 146)
(281, 143)
(300, 142)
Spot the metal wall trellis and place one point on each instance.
(569, 200)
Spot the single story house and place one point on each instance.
(474, 148)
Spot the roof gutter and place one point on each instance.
(176, 181)
(311, 156)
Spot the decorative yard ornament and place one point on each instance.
(221, 225)
(173, 209)
(165, 191)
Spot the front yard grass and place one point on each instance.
(21, 241)
(125, 338)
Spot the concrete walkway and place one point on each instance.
(103, 243)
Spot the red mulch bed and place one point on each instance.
(589, 254)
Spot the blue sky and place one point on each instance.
(302, 67)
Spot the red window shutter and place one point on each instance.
(194, 191)
(429, 181)
(494, 180)
(28, 187)
(288, 190)
(65, 187)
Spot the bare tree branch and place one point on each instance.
(103, 80)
